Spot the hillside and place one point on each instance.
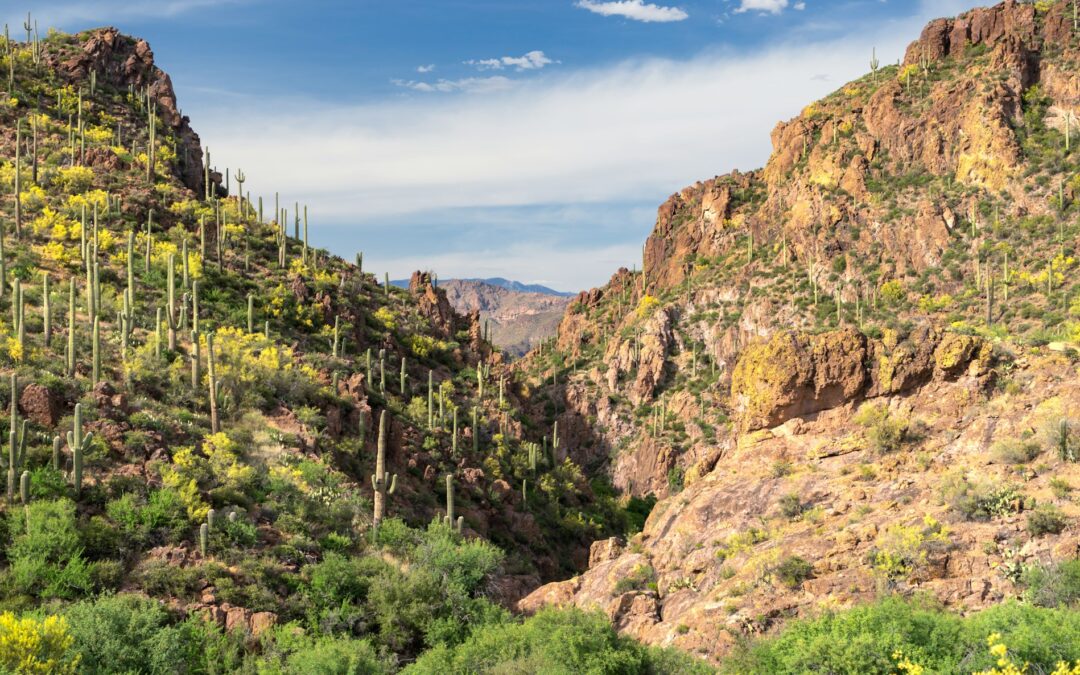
(516, 320)
(853, 370)
(249, 438)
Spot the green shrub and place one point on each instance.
(554, 641)
(981, 501)
(1015, 451)
(791, 506)
(792, 571)
(1047, 519)
(1053, 585)
(864, 639)
(46, 552)
(885, 431)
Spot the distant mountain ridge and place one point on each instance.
(500, 282)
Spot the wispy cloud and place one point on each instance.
(423, 70)
(637, 10)
(534, 60)
(468, 85)
(767, 6)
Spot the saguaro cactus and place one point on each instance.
(196, 361)
(449, 518)
(381, 481)
(78, 442)
(204, 538)
(71, 330)
(16, 445)
(46, 309)
(430, 399)
(212, 377)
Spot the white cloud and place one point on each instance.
(764, 6)
(425, 69)
(634, 9)
(534, 60)
(468, 85)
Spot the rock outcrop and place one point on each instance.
(792, 375)
(121, 61)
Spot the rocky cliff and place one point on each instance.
(822, 352)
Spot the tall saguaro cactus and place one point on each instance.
(381, 481)
(449, 518)
(78, 442)
(212, 378)
(16, 441)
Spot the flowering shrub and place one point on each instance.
(76, 179)
(30, 645)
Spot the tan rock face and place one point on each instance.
(713, 549)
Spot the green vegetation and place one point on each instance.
(874, 638)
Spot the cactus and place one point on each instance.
(404, 376)
(532, 457)
(240, 178)
(18, 185)
(475, 431)
(449, 518)
(19, 310)
(57, 444)
(212, 376)
(251, 313)
(96, 351)
(46, 309)
(336, 345)
(195, 305)
(430, 399)
(210, 519)
(71, 330)
(16, 447)
(360, 263)
(173, 314)
(387, 285)
(555, 439)
(524, 492)
(78, 442)
(382, 375)
(368, 367)
(196, 361)
(381, 481)
(24, 488)
(453, 438)
(204, 538)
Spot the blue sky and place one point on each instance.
(529, 139)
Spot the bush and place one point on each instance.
(981, 501)
(1015, 451)
(865, 639)
(553, 641)
(1054, 585)
(29, 645)
(884, 431)
(792, 571)
(1047, 519)
(791, 506)
(46, 552)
